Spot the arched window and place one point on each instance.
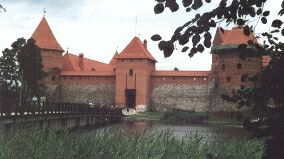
(239, 66)
(223, 67)
(131, 72)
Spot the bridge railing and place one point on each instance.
(45, 109)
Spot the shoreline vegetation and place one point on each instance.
(190, 117)
(32, 144)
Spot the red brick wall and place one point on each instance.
(227, 72)
(51, 59)
(52, 64)
(140, 80)
(190, 80)
(87, 80)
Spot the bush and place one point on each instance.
(185, 116)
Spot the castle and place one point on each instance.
(131, 80)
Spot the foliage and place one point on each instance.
(9, 65)
(2, 9)
(31, 64)
(115, 144)
(266, 97)
(21, 67)
(239, 12)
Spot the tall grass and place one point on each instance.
(35, 144)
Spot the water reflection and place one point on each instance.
(180, 130)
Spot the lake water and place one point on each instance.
(180, 130)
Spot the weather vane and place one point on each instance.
(44, 11)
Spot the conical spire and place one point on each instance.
(44, 37)
(135, 49)
(113, 61)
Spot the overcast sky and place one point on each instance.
(98, 28)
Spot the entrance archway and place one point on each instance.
(130, 98)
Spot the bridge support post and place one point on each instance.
(77, 122)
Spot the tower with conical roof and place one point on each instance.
(51, 51)
(133, 72)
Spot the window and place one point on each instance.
(244, 78)
(53, 78)
(228, 79)
(130, 72)
(114, 69)
(174, 78)
(223, 67)
(93, 69)
(194, 79)
(239, 66)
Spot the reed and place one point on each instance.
(34, 144)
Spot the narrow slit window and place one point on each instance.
(131, 72)
(239, 66)
(223, 67)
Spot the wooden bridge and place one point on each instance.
(68, 114)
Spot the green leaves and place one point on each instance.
(263, 20)
(167, 47)
(159, 8)
(172, 5)
(241, 22)
(186, 3)
(277, 23)
(156, 37)
(266, 13)
(195, 39)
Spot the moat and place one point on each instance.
(209, 131)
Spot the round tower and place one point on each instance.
(51, 52)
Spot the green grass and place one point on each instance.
(147, 116)
(185, 117)
(34, 144)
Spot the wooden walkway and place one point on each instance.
(47, 110)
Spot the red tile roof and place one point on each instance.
(180, 73)
(232, 37)
(135, 49)
(44, 37)
(113, 61)
(71, 63)
(86, 73)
